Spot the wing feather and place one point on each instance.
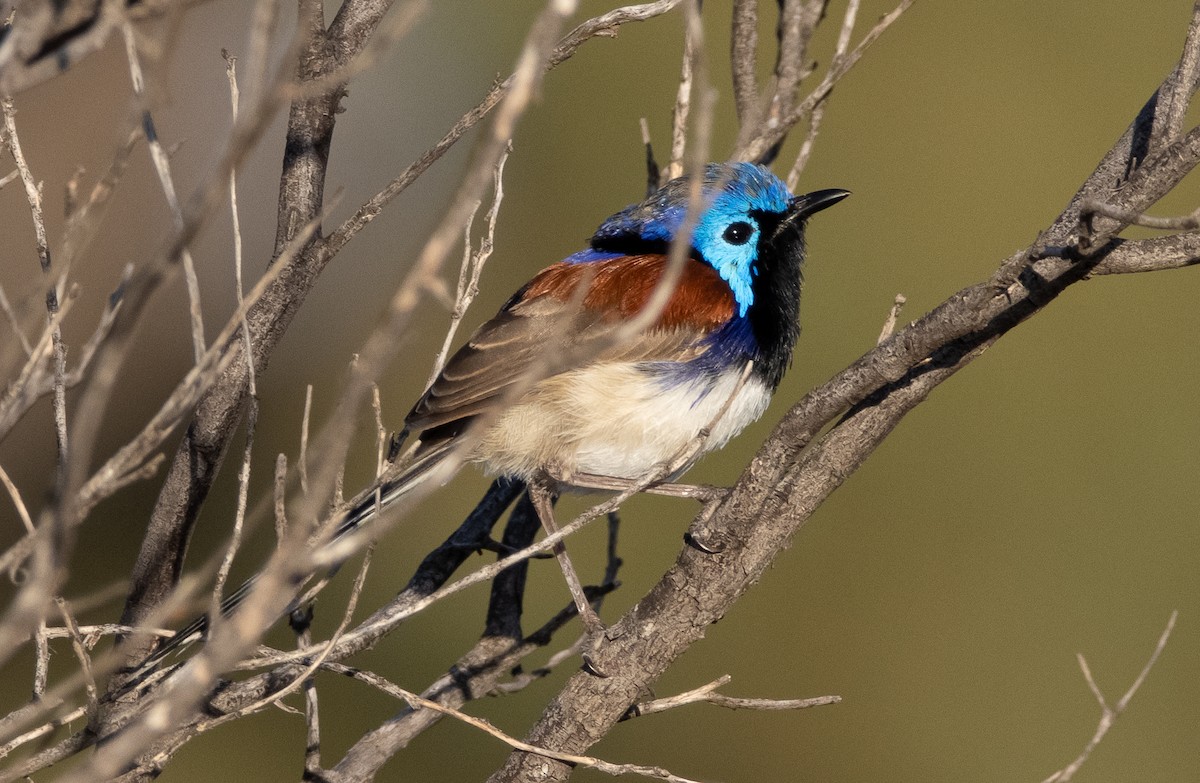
(544, 317)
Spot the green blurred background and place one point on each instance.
(1042, 503)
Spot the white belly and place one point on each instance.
(616, 420)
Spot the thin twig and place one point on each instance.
(472, 265)
(707, 694)
(15, 494)
(806, 147)
(33, 195)
(107, 629)
(418, 702)
(324, 649)
(263, 24)
(6, 306)
(162, 166)
(312, 705)
(653, 174)
(818, 112)
(239, 517)
(281, 525)
(33, 189)
(381, 433)
(605, 25)
(302, 465)
(773, 133)
(41, 665)
(41, 731)
(1089, 207)
(1176, 93)
(81, 653)
(85, 220)
(1109, 715)
(189, 389)
(889, 325)
(692, 41)
(231, 75)
(48, 551)
(31, 381)
(743, 60)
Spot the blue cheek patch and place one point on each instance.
(741, 282)
(735, 263)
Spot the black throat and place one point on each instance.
(775, 313)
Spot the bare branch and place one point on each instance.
(814, 126)
(889, 325)
(1127, 256)
(325, 648)
(33, 189)
(773, 133)
(708, 694)
(312, 709)
(81, 653)
(472, 266)
(1090, 207)
(41, 666)
(303, 458)
(18, 503)
(280, 497)
(1109, 715)
(106, 629)
(1176, 92)
(162, 166)
(85, 219)
(6, 306)
(605, 25)
(743, 60)
(248, 348)
(417, 702)
(42, 731)
(693, 41)
(239, 517)
(215, 360)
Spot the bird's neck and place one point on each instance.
(774, 322)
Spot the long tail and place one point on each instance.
(353, 519)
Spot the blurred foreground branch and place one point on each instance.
(139, 725)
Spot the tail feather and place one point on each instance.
(362, 512)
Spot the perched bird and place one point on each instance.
(631, 405)
(623, 407)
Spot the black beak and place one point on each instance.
(800, 207)
(811, 203)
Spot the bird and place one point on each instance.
(618, 406)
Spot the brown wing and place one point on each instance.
(543, 318)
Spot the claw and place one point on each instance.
(715, 546)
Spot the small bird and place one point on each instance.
(631, 405)
(704, 368)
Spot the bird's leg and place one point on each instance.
(542, 497)
(708, 495)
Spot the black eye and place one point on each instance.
(738, 233)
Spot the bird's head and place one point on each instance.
(750, 229)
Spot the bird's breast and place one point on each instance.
(619, 419)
